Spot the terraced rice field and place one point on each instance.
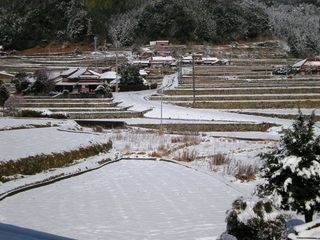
(80, 108)
(246, 86)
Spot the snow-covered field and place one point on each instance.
(134, 199)
(126, 200)
(11, 123)
(28, 142)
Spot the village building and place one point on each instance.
(80, 80)
(161, 47)
(141, 63)
(308, 65)
(160, 61)
(109, 76)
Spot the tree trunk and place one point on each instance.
(308, 215)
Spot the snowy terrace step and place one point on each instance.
(245, 91)
(213, 88)
(68, 105)
(235, 97)
(115, 109)
(213, 73)
(234, 79)
(249, 85)
(247, 101)
(105, 115)
(69, 100)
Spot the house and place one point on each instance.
(162, 48)
(80, 80)
(110, 76)
(306, 231)
(141, 63)
(308, 65)
(146, 53)
(210, 60)
(200, 59)
(162, 61)
(197, 57)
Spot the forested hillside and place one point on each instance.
(27, 23)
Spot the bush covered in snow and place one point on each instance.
(292, 169)
(104, 91)
(4, 94)
(250, 220)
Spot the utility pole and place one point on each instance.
(95, 51)
(161, 114)
(193, 81)
(179, 70)
(117, 84)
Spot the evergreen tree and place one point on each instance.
(292, 170)
(21, 82)
(130, 76)
(42, 85)
(4, 94)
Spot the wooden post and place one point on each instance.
(193, 81)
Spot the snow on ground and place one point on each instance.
(27, 142)
(169, 82)
(140, 103)
(126, 200)
(134, 121)
(9, 123)
(279, 111)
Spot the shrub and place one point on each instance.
(103, 90)
(250, 220)
(37, 114)
(38, 163)
(4, 94)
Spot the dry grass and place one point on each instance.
(253, 105)
(162, 151)
(218, 159)
(190, 139)
(187, 155)
(98, 129)
(183, 128)
(242, 171)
